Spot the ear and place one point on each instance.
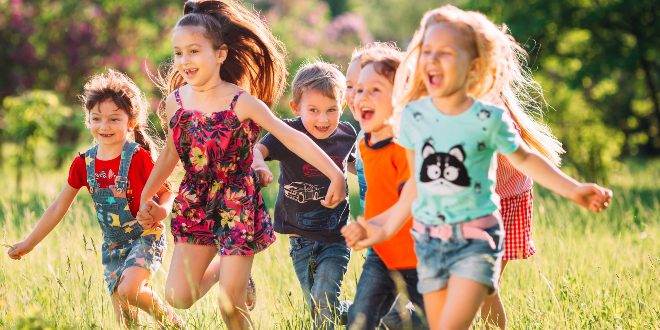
(427, 149)
(294, 108)
(222, 53)
(457, 151)
(475, 67)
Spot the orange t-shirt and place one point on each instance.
(386, 171)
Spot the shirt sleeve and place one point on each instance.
(274, 146)
(143, 163)
(405, 125)
(77, 173)
(505, 137)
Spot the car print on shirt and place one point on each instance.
(302, 192)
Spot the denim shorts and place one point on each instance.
(472, 259)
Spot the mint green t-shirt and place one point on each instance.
(455, 161)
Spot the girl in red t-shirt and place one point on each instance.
(114, 172)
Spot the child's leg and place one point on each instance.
(374, 295)
(127, 315)
(492, 311)
(234, 275)
(133, 289)
(459, 303)
(210, 278)
(189, 266)
(328, 268)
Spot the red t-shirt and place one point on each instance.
(107, 170)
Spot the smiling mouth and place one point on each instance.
(322, 128)
(434, 78)
(106, 135)
(190, 71)
(366, 114)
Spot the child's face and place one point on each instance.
(373, 100)
(319, 113)
(352, 75)
(195, 58)
(109, 124)
(444, 62)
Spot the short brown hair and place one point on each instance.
(385, 63)
(319, 76)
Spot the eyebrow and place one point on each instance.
(188, 46)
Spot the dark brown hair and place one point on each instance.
(255, 57)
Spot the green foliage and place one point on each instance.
(32, 118)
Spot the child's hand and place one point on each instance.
(592, 196)
(336, 193)
(19, 249)
(144, 216)
(157, 212)
(353, 232)
(265, 175)
(373, 234)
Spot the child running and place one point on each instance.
(114, 171)
(228, 69)
(318, 251)
(452, 139)
(386, 171)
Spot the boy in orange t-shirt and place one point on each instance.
(386, 170)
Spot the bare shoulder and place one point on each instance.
(248, 106)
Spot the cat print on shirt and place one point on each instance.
(443, 173)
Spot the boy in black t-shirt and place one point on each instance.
(318, 251)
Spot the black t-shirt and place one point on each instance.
(298, 209)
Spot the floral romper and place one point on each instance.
(218, 203)
(125, 242)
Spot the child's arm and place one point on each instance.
(249, 107)
(388, 223)
(588, 195)
(164, 166)
(51, 218)
(156, 212)
(260, 153)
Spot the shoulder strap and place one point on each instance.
(121, 181)
(90, 156)
(178, 98)
(235, 99)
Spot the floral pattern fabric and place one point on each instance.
(219, 201)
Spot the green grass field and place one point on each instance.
(591, 272)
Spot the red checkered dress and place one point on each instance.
(515, 191)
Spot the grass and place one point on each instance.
(592, 271)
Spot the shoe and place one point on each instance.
(251, 300)
(342, 311)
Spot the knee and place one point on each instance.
(178, 298)
(128, 291)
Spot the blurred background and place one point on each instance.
(596, 60)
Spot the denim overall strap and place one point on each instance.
(121, 180)
(90, 156)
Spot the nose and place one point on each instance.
(323, 117)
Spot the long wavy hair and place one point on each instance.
(255, 57)
(503, 79)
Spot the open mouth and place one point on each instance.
(366, 113)
(434, 78)
(322, 129)
(190, 72)
(106, 135)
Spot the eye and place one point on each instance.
(313, 110)
(451, 173)
(194, 51)
(359, 90)
(332, 110)
(349, 87)
(177, 53)
(433, 172)
(115, 120)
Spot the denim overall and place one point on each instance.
(125, 242)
